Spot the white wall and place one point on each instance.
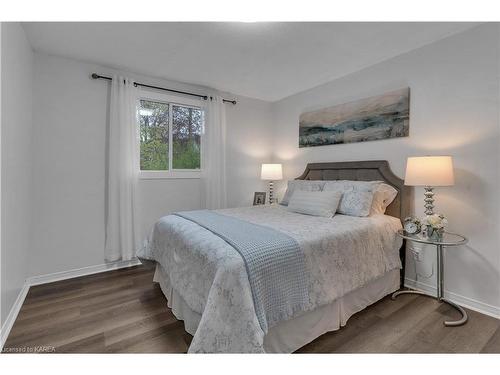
(1, 269)
(249, 145)
(70, 120)
(454, 110)
(17, 78)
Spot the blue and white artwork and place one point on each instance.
(378, 117)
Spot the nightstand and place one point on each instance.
(448, 239)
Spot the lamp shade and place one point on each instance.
(429, 171)
(271, 172)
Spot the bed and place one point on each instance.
(350, 263)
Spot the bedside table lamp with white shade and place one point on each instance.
(429, 172)
(271, 172)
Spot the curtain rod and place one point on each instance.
(204, 97)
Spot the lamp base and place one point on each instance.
(429, 200)
(271, 198)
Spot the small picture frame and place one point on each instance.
(259, 198)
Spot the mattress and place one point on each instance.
(342, 254)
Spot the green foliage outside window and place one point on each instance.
(186, 132)
(154, 136)
(153, 120)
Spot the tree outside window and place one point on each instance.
(155, 141)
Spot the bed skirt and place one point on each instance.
(290, 335)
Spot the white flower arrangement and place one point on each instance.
(435, 221)
(435, 225)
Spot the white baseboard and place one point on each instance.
(11, 318)
(84, 271)
(52, 277)
(466, 302)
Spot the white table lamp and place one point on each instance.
(271, 172)
(429, 171)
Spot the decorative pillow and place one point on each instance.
(316, 203)
(383, 197)
(357, 196)
(356, 203)
(303, 185)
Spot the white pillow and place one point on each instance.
(350, 185)
(304, 185)
(383, 197)
(316, 203)
(357, 196)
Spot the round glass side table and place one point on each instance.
(448, 239)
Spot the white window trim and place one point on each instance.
(172, 100)
(165, 175)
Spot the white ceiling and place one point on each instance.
(268, 61)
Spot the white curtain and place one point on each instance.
(213, 151)
(123, 166)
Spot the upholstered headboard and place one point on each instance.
(370, 170)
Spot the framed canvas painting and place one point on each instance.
(378, 117)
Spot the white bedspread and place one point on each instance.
(342, 253)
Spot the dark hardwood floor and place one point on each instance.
(123, 311)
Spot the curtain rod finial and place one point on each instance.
(95, 75)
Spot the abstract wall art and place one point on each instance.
(378, 117)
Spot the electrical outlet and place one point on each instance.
(417, 252)
(420, 262)
(418, 255)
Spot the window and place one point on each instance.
(170, 137)
(186, 136)
(153, 120)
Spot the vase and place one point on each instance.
(434, 234)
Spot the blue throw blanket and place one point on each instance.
(273, 260)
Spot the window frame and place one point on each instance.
(171, 100)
